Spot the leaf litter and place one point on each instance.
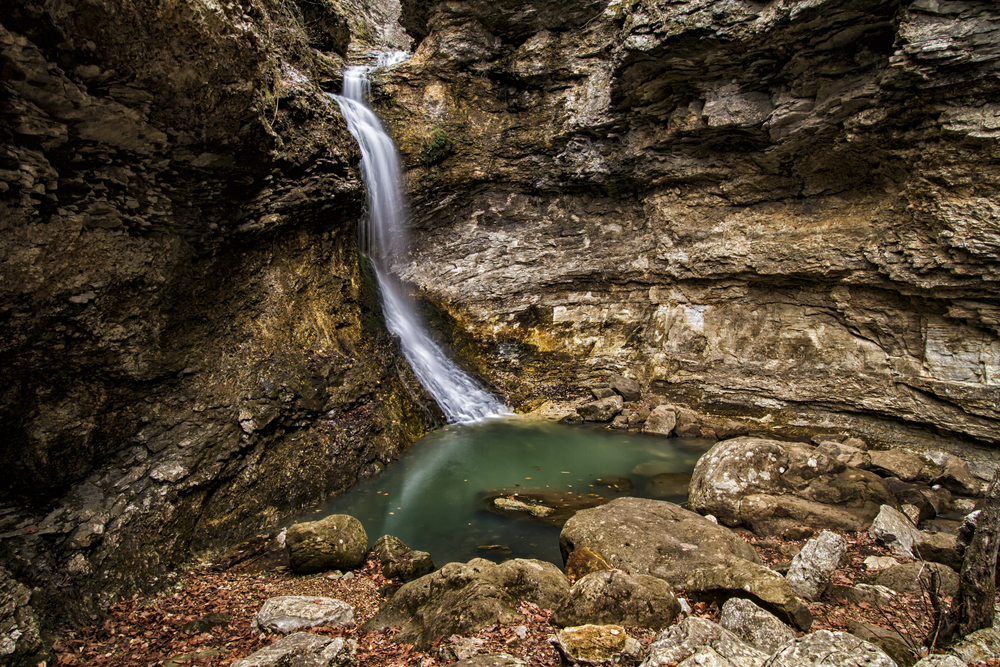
(208, 620)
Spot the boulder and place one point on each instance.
(601, 410)
(895, 645)
(602, 392)
(823, 648)
(941, 548)
(739, 577)
(661, 421)
(811, 569)
(696, 635)
(625, 387)
(289, 613)
(584, 561)
(595, 644)
(669, 485)
(643, 536)
(770, 487)
(303, 649)
(754, 625)
(613, 596)
(896, 463)
(731, 429)
(893, 529)
(337, 542)
(916, 578)
(466, 597)
(401, 562)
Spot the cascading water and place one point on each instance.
(381, 237)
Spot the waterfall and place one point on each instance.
(382, 237)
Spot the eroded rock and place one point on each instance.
(615, 597)
(824, 647)
(754, 625)
(654, 537)
(465, 597)
(337, 542)
(696, 635)
(812, 568)
(290, 613)
(771, 486)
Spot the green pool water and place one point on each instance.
(434, 497)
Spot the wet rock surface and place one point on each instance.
(792, 255)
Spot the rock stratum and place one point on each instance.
(190, 347)
(783, 211)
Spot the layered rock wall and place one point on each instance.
(779, 210)
(190, 348)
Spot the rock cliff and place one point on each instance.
(190, 348)
(782, 210)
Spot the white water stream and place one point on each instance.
(382, 236)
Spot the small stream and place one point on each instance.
(436, 497)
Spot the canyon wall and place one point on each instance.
(785, 211)
(190, 348)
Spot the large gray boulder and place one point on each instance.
(289, 613)
(896, 463)
(466, 597)
(335, 543)
(812, 568)
(754, 625)
(824, 648)
(643, 536)
(614, 597)
(706, 642)
(770, 486)
(303, 649)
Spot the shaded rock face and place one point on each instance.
(189, 345)
(783, 212)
